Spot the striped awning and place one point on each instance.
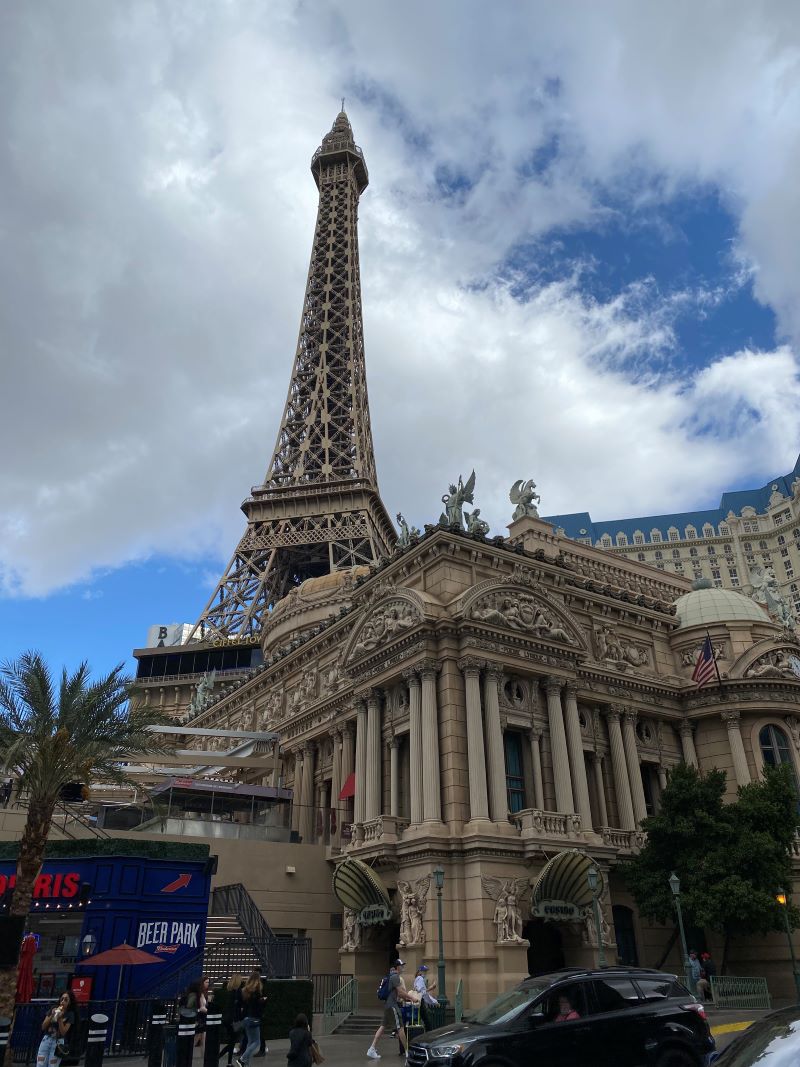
(357, 886)
(565, 877)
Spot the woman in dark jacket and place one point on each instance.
(300, 1039)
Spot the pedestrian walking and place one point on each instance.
(8, 787)
(58, 1028)
(253, 1001)
(423, 986)
(301, 1044)
(396, 994)
(232, 1016)
(694, 968)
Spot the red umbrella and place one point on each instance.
(25, 971)
(123, 955)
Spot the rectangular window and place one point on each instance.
(515, 775)
(781, 517)
(613, 993)
(674, 535)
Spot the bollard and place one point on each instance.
(5, 1028)
(155, 1035)
(213, 1028)
(187, 1027)
(96, 1040)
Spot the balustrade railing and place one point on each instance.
(629, 840)
(531, 822)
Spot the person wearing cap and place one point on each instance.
(423, 985)
(392, 1019)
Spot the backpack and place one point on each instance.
(383, 989)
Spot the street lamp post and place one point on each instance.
(593, 883)
(780, 896)
(438, 878)
(675, 886)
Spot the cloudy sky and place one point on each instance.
(579, 257)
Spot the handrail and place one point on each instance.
(235, 900)
(459, 1004)
(344, 1001)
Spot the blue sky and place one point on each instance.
(580, 267)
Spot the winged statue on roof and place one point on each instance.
(454, 501)
(522, 495)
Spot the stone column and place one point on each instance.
(276, 758)
(394, 776)
(558, 746)
(580, 786)
(296, 790)
(535, 736)
(686, 731)
(306, 822)
(361, 762)
(431, 774)
(495, 754)
(600, 789)
(336, 786)
(740, 768)
(662, 777)
(348, 759)
(476, 755)
(622, 785)
(373, 798)
(634, 770)
(414, 746)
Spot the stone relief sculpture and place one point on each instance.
(412, 911)
(454, 502)
(767, 591)
(522, 495)
(608, 646)
(397, 616)
(475, 524)
(518, 612)
(407, 533)
(507, 894)
(689, 655)
(332, 680)
(273, 708)
(203, 694)
(779, 663)
(589, 931)
(351, 939)
(305, 691)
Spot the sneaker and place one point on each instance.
(373, 1053)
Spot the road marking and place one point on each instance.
(730, 1028)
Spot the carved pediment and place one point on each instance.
(777, 663)
(522, 612)
(387, 621)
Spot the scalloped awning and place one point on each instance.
(357, 886)
(565, 877)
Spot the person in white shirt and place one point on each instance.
(423, 985)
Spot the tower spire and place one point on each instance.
(319, 508)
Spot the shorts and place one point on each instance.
(392, 1020)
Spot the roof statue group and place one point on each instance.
(522, 495)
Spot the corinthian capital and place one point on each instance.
(470, 665)
(553, 684)
(731, 719)
(614, 713)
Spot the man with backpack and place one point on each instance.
(391, 991)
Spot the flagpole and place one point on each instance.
(714, 658)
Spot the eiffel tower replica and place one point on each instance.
(319, 508)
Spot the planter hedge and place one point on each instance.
(286, 999)
(114, 846)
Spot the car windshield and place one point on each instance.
(508, 1005)
(773, 1043)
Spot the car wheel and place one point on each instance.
(676, 1057)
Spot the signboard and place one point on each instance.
(374, 914)
(81, 986)
(560, 911)
(59, 886)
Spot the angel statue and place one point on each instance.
(767, 591)
(507, 895)
(352, 931)
(523, 494)
(454, 502)
(412, 910)
(475, 524)
(407, 533)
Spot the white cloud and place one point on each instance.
(156, 220)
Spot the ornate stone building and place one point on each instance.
(493, 706)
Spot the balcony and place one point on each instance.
(533, 823)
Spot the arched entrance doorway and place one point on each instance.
(546, 952)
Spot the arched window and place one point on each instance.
(774, 746)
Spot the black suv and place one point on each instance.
(614, 1017)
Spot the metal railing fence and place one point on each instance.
(327, 986)
(731, 991)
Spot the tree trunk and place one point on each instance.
(673, 937)
(29, 863)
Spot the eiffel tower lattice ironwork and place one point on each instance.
(319, 508)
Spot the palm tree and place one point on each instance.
(83, 731)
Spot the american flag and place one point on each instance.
(705, 670)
